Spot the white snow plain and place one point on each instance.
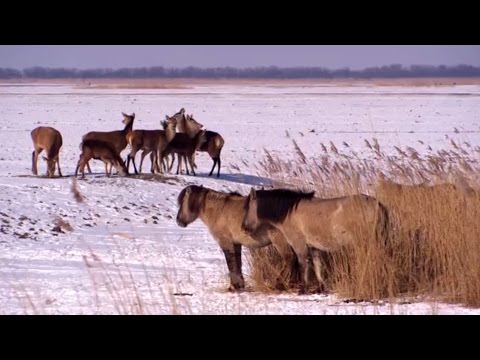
(125, 253)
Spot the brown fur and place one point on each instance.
(185, 147)
(186, 125)
(50, 140)
(118, 138)
(313, 225)
(100, 150)
(213, 146)
(223, 214)
(150, 141)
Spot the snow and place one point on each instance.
(126, 253)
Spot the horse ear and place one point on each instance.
(182, 110)
(124, 114)
(189, 190)
(133, 115)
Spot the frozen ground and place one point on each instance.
(125, 253)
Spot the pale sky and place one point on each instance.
(330, 56)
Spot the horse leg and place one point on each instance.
(238, 260)
(318, 267)
(303, 263)
(289, 274)
(236, 278)
(88, 168)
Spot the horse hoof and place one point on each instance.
(232, 288)
(302, 292)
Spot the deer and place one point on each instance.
(185, 147)
(195, 127)
(150, 141)
(48, 139)
(100, 150)
(118, 138)
(213, 144)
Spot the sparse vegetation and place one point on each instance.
(434, 237)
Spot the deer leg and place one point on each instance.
(219, 162)
(35, 154)
(34, 171)
(179, 163)
(144, 153)
(58, 165)
(81, 166)
(184, 157)
(131, 157)
(191, 162)
(106, 168)
(213, 167)
(162, 162)
(171, 164)
(153, 161)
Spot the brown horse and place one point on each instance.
(313, 225)
(223, 214)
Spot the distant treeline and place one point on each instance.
(271, 72)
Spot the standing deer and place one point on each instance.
(185, 147)
(195, 127)
(117, 138)
(48, 139)
(100, 150)
(213, 144)
(150, 141)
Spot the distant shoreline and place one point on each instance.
(185, 83)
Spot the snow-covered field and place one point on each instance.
(125, 252)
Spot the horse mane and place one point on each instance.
(196, 200)
(235, 193)
(198, 194)
(275, 205)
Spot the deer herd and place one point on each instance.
(181, 134)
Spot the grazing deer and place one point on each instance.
(100, 150)
(48, 139)
(150, 141)
(118, 138)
